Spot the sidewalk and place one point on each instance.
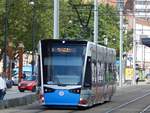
(15, 98)
(129, 83)
(14, 93)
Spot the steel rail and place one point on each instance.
(129, 102)
(145, 109)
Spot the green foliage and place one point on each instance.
(108, 26)
(128, 40)
(2, 10)
(20, 20)
(74, 19)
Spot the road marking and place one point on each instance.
(122, 105)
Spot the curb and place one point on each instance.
(28, 99)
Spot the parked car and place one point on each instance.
(15, 77)
(9, 83)
(28, 83)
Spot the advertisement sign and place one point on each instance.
(128, 73)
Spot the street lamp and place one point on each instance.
(33, 32)
(31, 2)
(105, 41)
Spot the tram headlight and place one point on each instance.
(77, 91)
(48, 90)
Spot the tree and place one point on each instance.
(128, 40)
(20, 20)
(21, 14)
(108, 25)
(2, 12)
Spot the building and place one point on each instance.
(142, 30)
(140, 11)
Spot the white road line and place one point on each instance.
(122, 105)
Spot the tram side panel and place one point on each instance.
(98, 75)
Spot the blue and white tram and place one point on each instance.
(75, 73)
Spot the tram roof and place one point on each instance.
(66, 41)
(74, 42)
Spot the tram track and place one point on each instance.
(133, 99)
(145, 110)
(122, 106)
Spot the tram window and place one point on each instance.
(106, 72)
(110, 68)
(39, 72)
(103, 71)
(110, 72)
(99, 72)
(114, 73)
(87, 79)
(93, 72)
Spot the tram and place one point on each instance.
(75, 73)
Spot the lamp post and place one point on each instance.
(95, 21)
(134, 45)
(121, 42)
(33, 33)
(56, 19)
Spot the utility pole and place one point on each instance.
(95, 21)
(134, 44)
(56, 19)
(32, 2)
(121, 41)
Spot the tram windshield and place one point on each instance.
(63, 64)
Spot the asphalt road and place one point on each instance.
(128, 99)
